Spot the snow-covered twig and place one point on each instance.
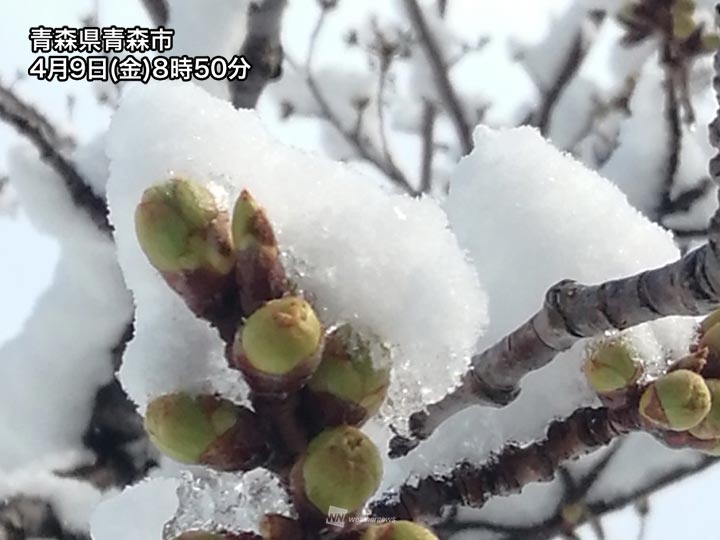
(446, 90)
(572, 311)
(263, 51)
(157, 10)
(36, 128)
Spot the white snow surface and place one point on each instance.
(63, 353)
(385, 263)
(139, 512)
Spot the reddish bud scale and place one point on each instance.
(221, 535)
(277, 527)
(259, 273)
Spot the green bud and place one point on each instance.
(711, 320)
(710, 42)
(205, 430)
(341, 467)
(711, 339)
(398, 530)
(180, 228)
(713, 450)
(683, 23)
(612, 366)
(677, 401)
(347, 388)
(278, 347)
(709, 428)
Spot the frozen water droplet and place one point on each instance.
(210, 500)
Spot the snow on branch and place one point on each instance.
(36, 128)
(571, 310)
(262, 49)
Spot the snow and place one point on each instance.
(139, 512)
(210, 500)
(72, 500)
(410, 286)
(64, 350)
(637, 166)
(530, 216)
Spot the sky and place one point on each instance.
(29, 257)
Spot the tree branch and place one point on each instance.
(674, 142)
(428, 146)
(567, 73)
(364, 147)
(158, 11)
(35, 127)
(513, 468)
(572, 311)
(263, 51)
(448, 96)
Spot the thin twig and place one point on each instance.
(38, 130)
(158, 11)
(362, 146)
(428, 146)
(567, 72)
(674, 142)
(513, 468)
(449, 98)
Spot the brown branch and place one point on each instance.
(263, 51)
(428, 146)
(569, 69)
(674, 142)
(449, 98)
(549, 528)
(575, 490)
(158, 11)
(513, 468)
(35, 127)
(572, 311)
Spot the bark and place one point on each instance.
(157, 10)
(35, 127)
(513, 468)
(448, 96)
(263, 51)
